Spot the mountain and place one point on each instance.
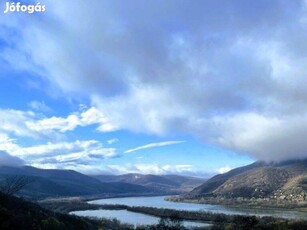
(158, 183)
(52, 182)
(280, 182)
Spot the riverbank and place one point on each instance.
(101, 196)
(243, 203)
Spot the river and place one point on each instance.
(159, 202)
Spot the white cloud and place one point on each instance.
(13, 121)
(79, 152)
(151, 169)
(224, 169)
(265, 137)
(30, 124)
(7, 144)
(63, 151)
(153, 145)
(88, 117)
(112, 141)
(54, 123)
(79, 167)
(39, 106)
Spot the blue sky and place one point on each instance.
(163, 87)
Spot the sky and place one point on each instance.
(162, 87)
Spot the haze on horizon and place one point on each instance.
(162, 87)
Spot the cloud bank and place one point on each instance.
(31, 124)
(80, 153)
(152, 169)
(232, 73)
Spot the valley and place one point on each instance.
(47, 183)
(266, 194)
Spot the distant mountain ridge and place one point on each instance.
(57, 183)
(158, 183)
(53, 182)
(280, 182)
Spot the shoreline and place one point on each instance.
(231, 203)
(169, 198)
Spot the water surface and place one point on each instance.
(159, 202)
(133, 218)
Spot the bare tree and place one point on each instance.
(13, 184)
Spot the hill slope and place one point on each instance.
(16, 214)
(67, 183)
(282, 182)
